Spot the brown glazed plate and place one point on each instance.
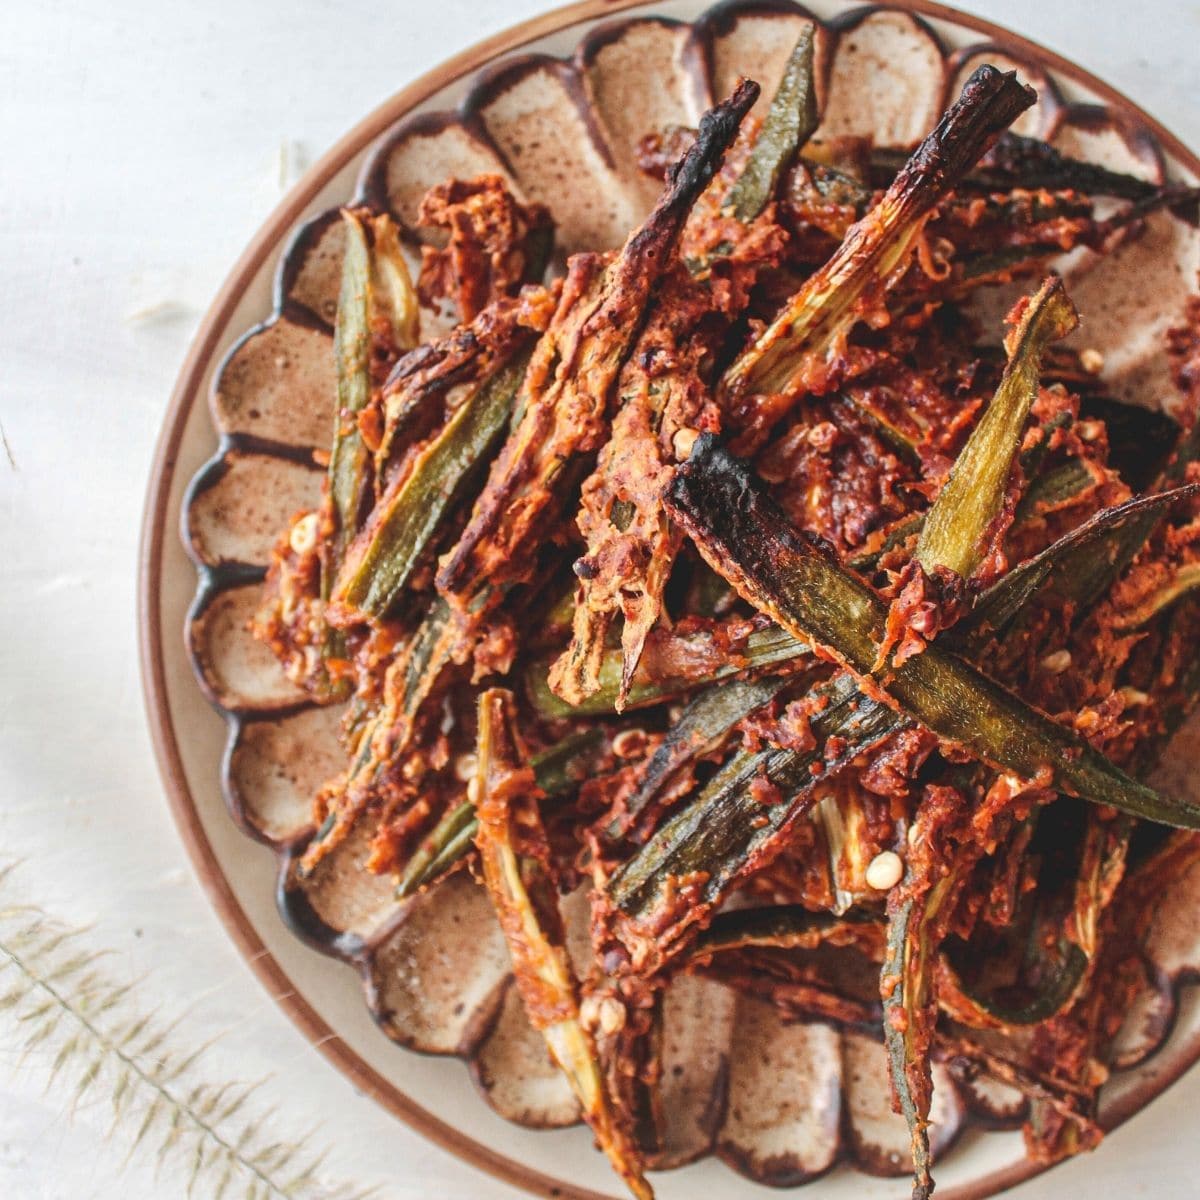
(557, 104)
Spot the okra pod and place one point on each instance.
(352, 359)
(790, 356)
(524, 899)
(907, 1025)
(782, 926)
(680, 876)
(964, 517)
(1059, 950)
(375, 287)
(800, 585)
(1056, 487)
(1016, 161)
(789, 123)
(1080, 566)
(697, 666)
(702, 727)
(556, 770)
(407, 684)
(446, 844)
(407, 520)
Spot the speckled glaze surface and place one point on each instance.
(559, 116)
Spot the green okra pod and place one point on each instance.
(723, 831)
(407, 520)
(556, 771)
(801, 586)
(964, 516)
(789, 123)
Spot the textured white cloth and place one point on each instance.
(141, 144)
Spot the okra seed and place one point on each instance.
(683, 441)
(475, 790)
(303, 536)
(629, 743)
(1057, 662)
(1091, 360)
(606, 1014)
(612, 1015)
(884, 871)
(589, 1012)
(464, 767)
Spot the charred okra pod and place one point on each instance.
(790, 357)
(800, 585)
(515, 875)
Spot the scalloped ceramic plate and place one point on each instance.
(556, 105)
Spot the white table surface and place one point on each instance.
(141, 144)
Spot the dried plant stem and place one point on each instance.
(59, 1001)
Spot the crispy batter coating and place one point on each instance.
(493, 243)
(727, 792)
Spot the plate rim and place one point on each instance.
(156, 521)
